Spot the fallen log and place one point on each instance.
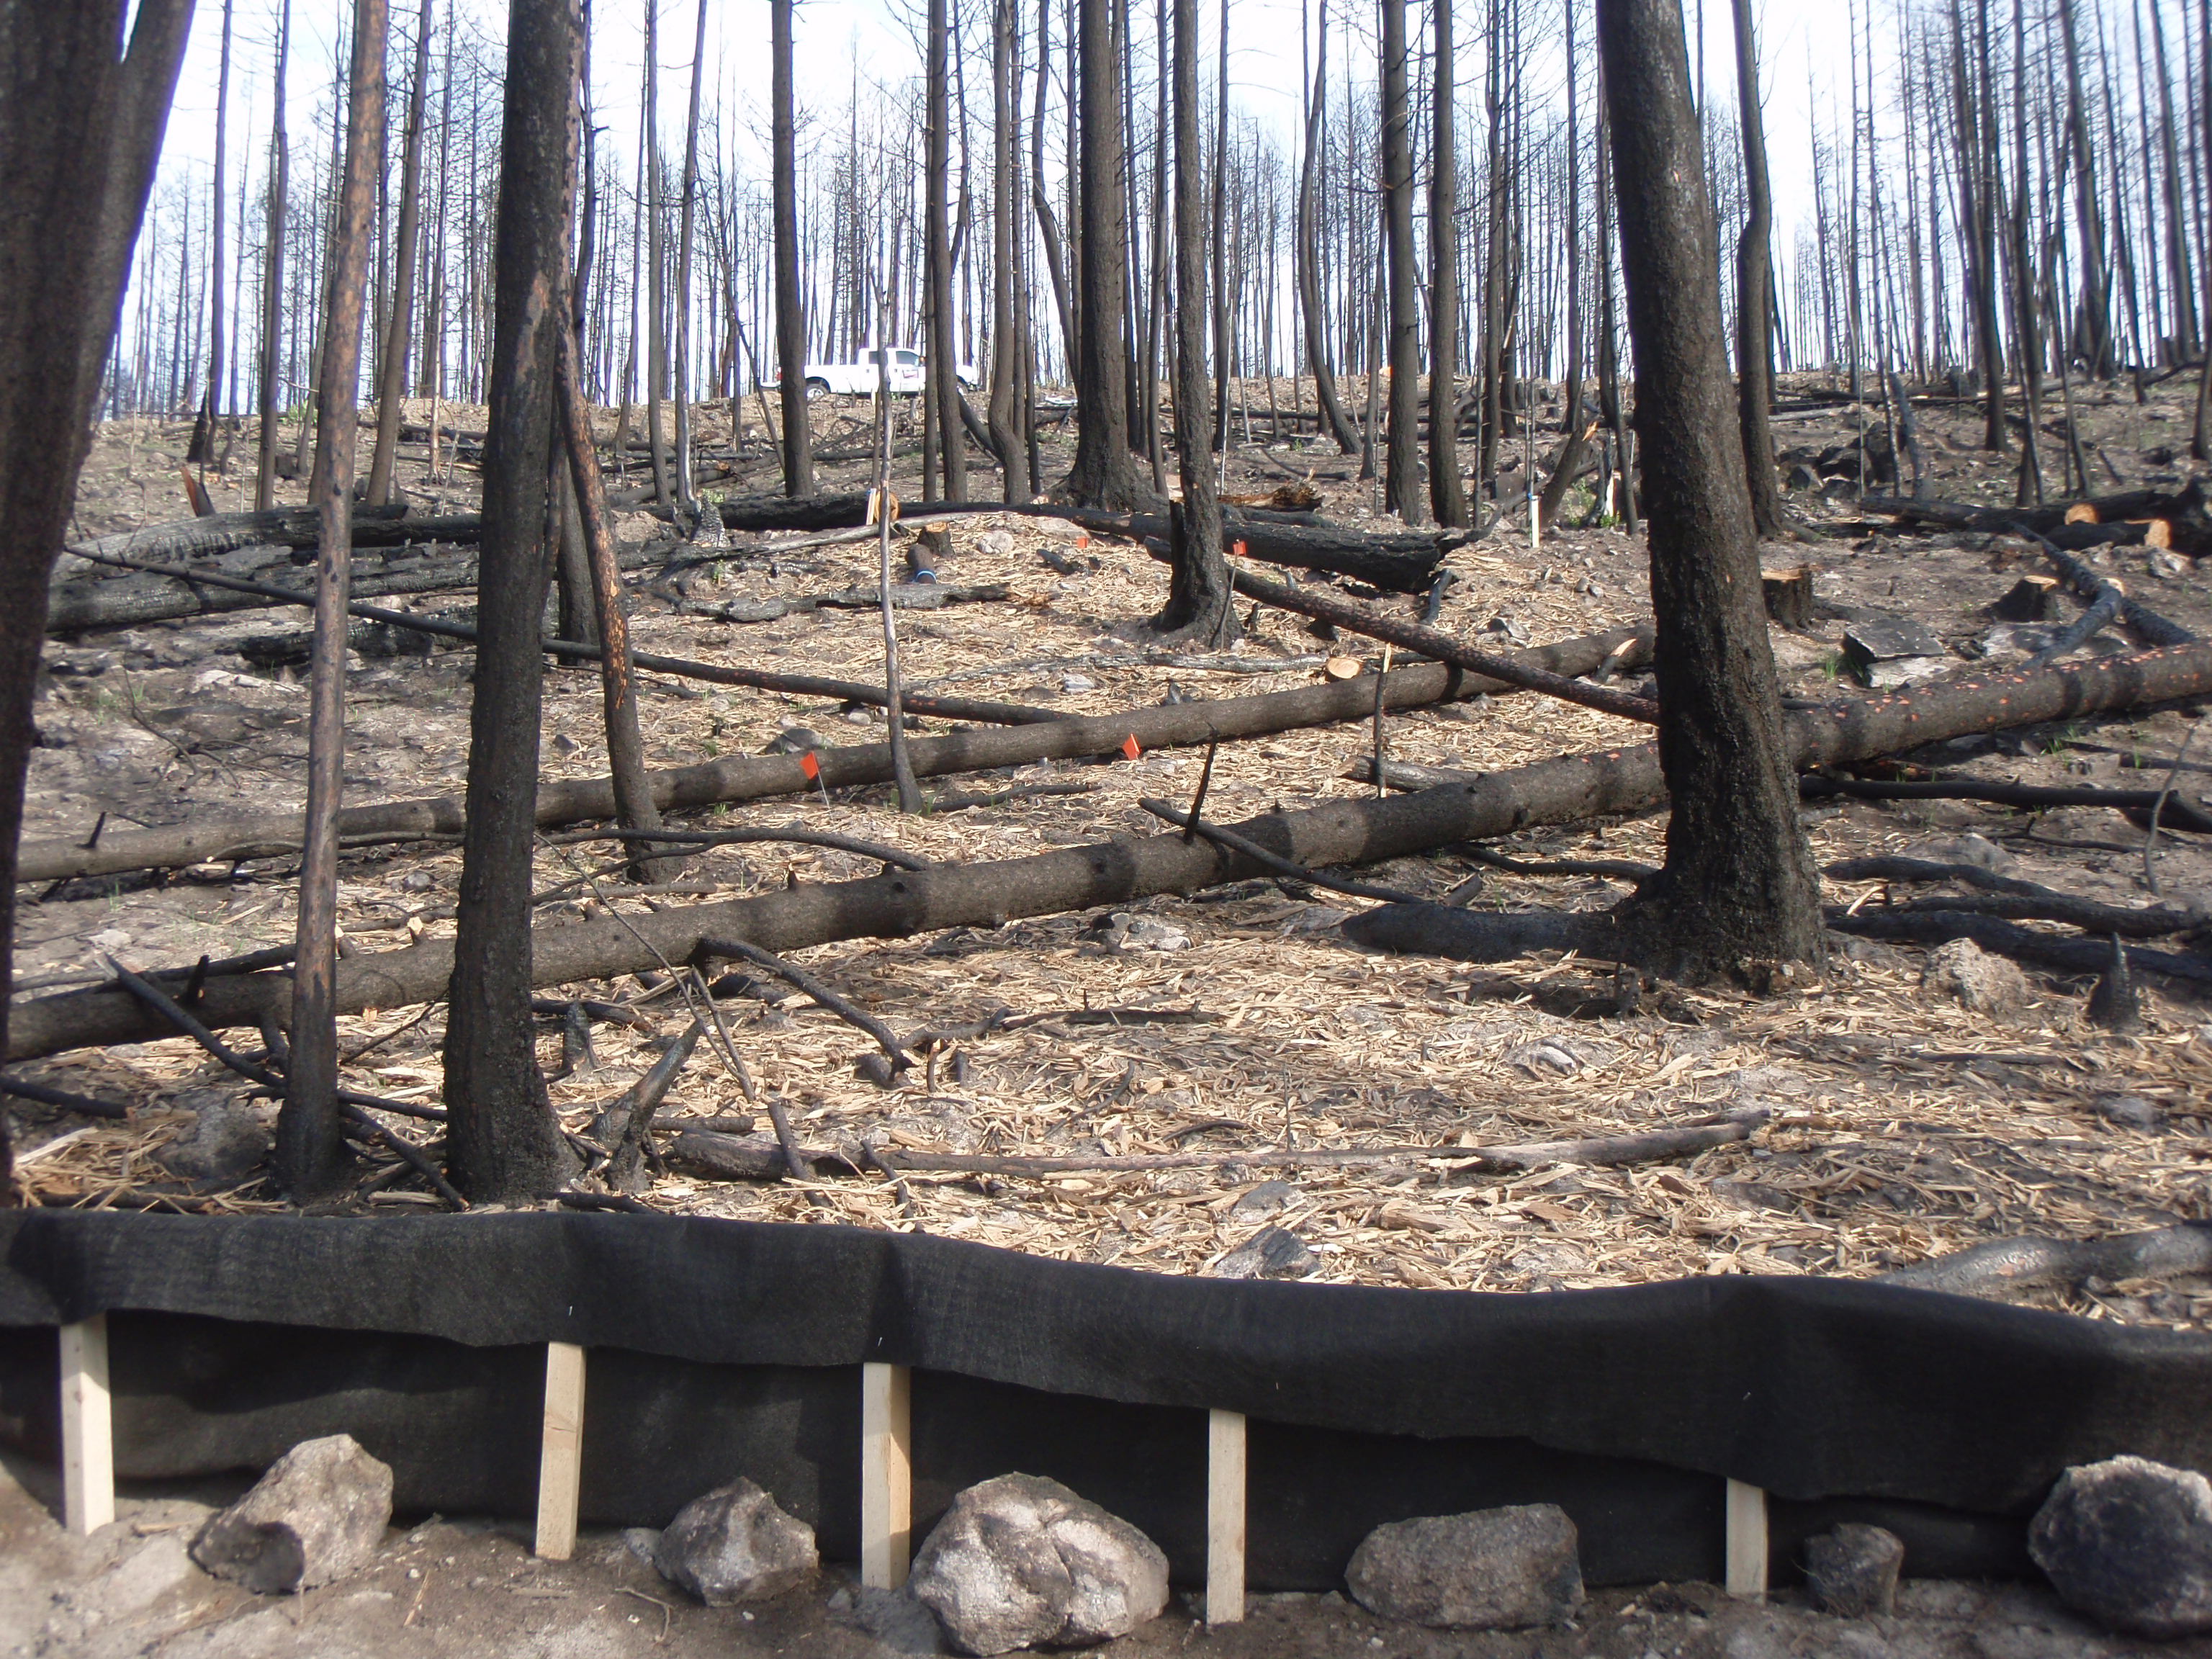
(1402, 563)
(951, 708)
(991, 894)
(2148, 625)
(2080, 956)
(2011, 1264)
(174, 595)
(276, 526)
(757, 1157)
(742, 778)
(2186, 510)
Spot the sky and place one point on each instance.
(1804, 50)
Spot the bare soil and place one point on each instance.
(1903, 1126)
(470, 1587)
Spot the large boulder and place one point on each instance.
(2129, 1542)
(1502, 1569)
(735, 1545)
(317, 1515)
(1852, 1571)
(1022, 1560)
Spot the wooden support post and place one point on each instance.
(886, 1474)
(1747, 1540)
(87, 1428)
(561, 1456)
(1225, 1518)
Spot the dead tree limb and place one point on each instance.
(742, 778)
(2014, 1264)
(2176, 813)
(815, 991)
(634, 1110)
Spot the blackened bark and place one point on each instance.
(943, 369)
(81, 125)
(1737, 895)
(1105, 473)
(1308, 251)
(392, 382)
(311, 1157)
(1007, 334)
(1754, 268)
(504, 1143)
(1447, 491)
(271, 399)
(1977, 211)
(790, 304)
(1200, 604)
(1401, 468)
(201, 448)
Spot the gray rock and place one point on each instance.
(1268, 1198)
(735, 1545)
(1852, 1571)
(1274, 1252)
(1980, 982)
(317, 1515)
(2129, 1111)
(996, 543)
(2129, 1542)
(228, 1141)
(1022, 1560)
(1503, 1569)
(795, 740)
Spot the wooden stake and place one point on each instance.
(87, 1428)
(1746, 1542)
(886, 1474)
(1225, 1518)
(561, 1456)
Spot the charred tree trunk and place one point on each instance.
(1401, 469)
(1737, 895)
(1006, 333)
(1105, 473)
(201, 449)
(665, 489)
(311, 1157)
(504, 1143)
(1200, 605)
(81, 125)
(1754, 266)
(1447, 491)
(392, 382)
(1309, 251)
(270, 400)
(686, 228)
(943, 368)
(790, 303)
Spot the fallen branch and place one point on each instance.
(2148, 625)
(742, 778)
(2176, 813)
(2085, 957)
(773, 833)
(1443, 647)
(815, 991)
(2019, 901)
(990, 894)
(636, 1108)
(2014, 1264)
(1190, 823)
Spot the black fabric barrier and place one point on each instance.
(725, 1347)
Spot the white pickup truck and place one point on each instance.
(861, 380)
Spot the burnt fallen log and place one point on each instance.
(1404, 563)
(2178, 812)
(741, 778)
(2187, 511)
(276, 526)
(2080, 956)
(169, 595)
(991, 894)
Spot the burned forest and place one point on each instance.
(1521, 646)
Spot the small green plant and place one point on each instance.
(2064, 739)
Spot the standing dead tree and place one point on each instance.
(391, 378)
(790, 301)
(81, 125)
(1737, 895)
(1447, 491)
(272, 280)
(1401, 480)
(503, 1141)
(1754, 280)
(310, 1152)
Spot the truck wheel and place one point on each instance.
(817, 387)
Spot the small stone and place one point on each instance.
(1982, 984)
(2115, 1005)
(1268, 1198)
(795, 740)
(873, 1068)
(2129, 1542)
(1968, 848)
(228, 1141)
(1851, 1571)
(1272, 1253)
(640, 1542)
(1077, 683)
(995, 543)
(317, 1515)
(1021, 1561)
(2170, 566)
(2129, 1111)
(735, 1545)
(1503, 1569)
